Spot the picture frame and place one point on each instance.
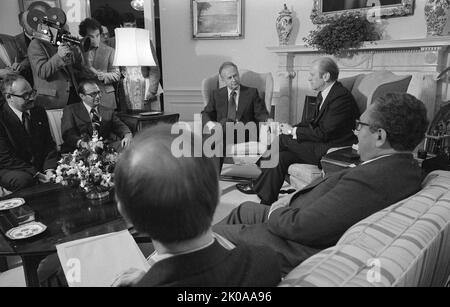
(325, 11)
(217, 19)
(25, 4)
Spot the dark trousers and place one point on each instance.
(15, 180)
(247, 224)
(269, 183)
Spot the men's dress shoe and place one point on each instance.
(246, 188)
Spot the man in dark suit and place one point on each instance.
(55, 72)
(316, 217)
(80, 120)
(156, 193)
(26, 145)
(233, 103)
(307, 142)
(98, 62)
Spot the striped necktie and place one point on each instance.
(95, 119)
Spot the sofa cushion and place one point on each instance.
(406, 244)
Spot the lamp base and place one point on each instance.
(134, 88)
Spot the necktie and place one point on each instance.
(318, 103)
(232, 107)
(95, 119)
(26, 122)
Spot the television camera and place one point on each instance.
(50, 28)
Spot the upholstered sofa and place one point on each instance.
(365, 88)
(406, 244)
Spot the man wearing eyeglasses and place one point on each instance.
(315, 217)
(80, 120)
(27, 150)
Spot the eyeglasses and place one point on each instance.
(95, 94)
(359, 124)
(26, 96)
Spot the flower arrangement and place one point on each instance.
(348, 31)
(91, 168)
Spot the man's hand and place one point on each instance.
(64, 51)
(126, 141)
(43, 178)
(16, 66)
(286, 129)
(101, 76)
(129, 278)
(210, 126)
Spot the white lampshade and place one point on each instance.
(133, 48)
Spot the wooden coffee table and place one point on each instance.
(68, 216)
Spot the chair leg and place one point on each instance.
(3, 264)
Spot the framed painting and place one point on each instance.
(217, 19)
(25, 4)
(325, 11)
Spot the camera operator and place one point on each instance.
(55, 72)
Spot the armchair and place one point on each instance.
(365, 88)
(263, 82)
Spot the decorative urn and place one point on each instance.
(284, 25)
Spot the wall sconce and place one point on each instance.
(132, 52)
(138, 5)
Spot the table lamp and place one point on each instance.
(132, 52)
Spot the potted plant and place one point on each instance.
(348, 31)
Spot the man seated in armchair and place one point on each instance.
(27, 150)
(308, 141)
(315, 217)
(233, 103)
(81, 119)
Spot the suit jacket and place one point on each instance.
(333, 126)
(18, 150)
(250, 107)
(76, 123)
(14, 51)
(215, 266)
(103, 61)
(23, 42)
(52, 76)
(318, 215)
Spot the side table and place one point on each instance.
(136, 122)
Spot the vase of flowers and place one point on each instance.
(90, 168)
(436, 14)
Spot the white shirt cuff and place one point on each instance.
(294, 133)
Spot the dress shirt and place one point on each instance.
(19, 113)
(155, 257)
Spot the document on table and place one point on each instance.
(98, 261)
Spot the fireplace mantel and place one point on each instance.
(402, 44)
(422, 58)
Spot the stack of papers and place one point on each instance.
(99, 261)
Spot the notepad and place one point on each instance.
(98, 261)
